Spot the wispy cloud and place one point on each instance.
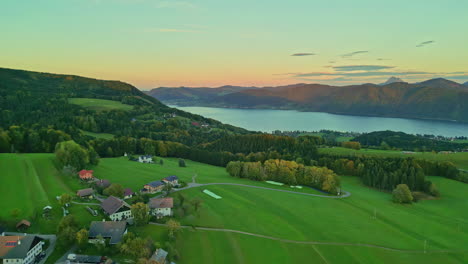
(351, 54)
(174, 4)
(170, 30)
(361, 68)
(422, 44)
(303, 54)
(382, 59)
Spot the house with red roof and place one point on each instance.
(86, 175)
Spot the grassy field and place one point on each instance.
(28, 183)
(99, 104)
(98, 135)
(135, 175)
(443, 223)
(460, 159)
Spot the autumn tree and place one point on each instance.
(82, 238)
(173, 226)
(65, 199)
(140, 212)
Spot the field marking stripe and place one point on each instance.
(320, 254)
(318, 242)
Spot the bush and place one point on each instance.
(182, 163)
(402, 194)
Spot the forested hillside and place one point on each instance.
(39, 109)
(437, 99)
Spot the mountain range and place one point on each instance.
(437, 99)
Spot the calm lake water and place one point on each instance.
(269, 120)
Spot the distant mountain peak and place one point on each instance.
(391, 80)
(441, 83)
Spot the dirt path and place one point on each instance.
(318, 242)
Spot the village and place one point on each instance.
(117, 205)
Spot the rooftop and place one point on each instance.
(171, 178)
(112, 204)
(167, 202)
(85, 192)
(155, 184)
(108, 229)
(17, 246)
(159, 255)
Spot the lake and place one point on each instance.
(270, 120)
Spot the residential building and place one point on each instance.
(153, 187)
(85, 193)
(109, 230)
(86, 175)
(103, 184)
(161, 207)
(159, 256)
(116, 209)
(172, 180)
(128, 193)
(20, 249)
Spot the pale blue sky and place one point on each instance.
(152, 43)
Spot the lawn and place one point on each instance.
(99, 104)
(28, 183)
(441, 222)
(460, 159)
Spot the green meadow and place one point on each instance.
(367, 217)
(99, 104)
(460, 159)
(98, 135)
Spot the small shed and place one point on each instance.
(23, 224)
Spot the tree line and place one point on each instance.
(288, 172)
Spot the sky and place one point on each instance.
(153, 43)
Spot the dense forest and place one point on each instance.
(403, 141)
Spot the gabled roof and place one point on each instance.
(108, 229)
(17, 247)
(23, 222)
(155, 184)
(83, 172)
(167, 202)
(85, 192)
(113, 204)
(103, 183)
(171, 178)
(128, 192)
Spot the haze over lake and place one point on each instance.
(269, 120)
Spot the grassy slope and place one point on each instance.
(442, 222)
(99, 104)
(310, 218)
(34, 183)
(460, 159)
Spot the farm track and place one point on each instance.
(318, 242)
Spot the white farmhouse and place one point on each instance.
(161, 207)
(116, 209)
(20, 249)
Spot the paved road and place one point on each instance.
(194, 185)
(317, 242)
(52, 239)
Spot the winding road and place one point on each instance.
(317, 242)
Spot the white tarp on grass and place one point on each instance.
(297, 186)
(275, 183)
(212, 194)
